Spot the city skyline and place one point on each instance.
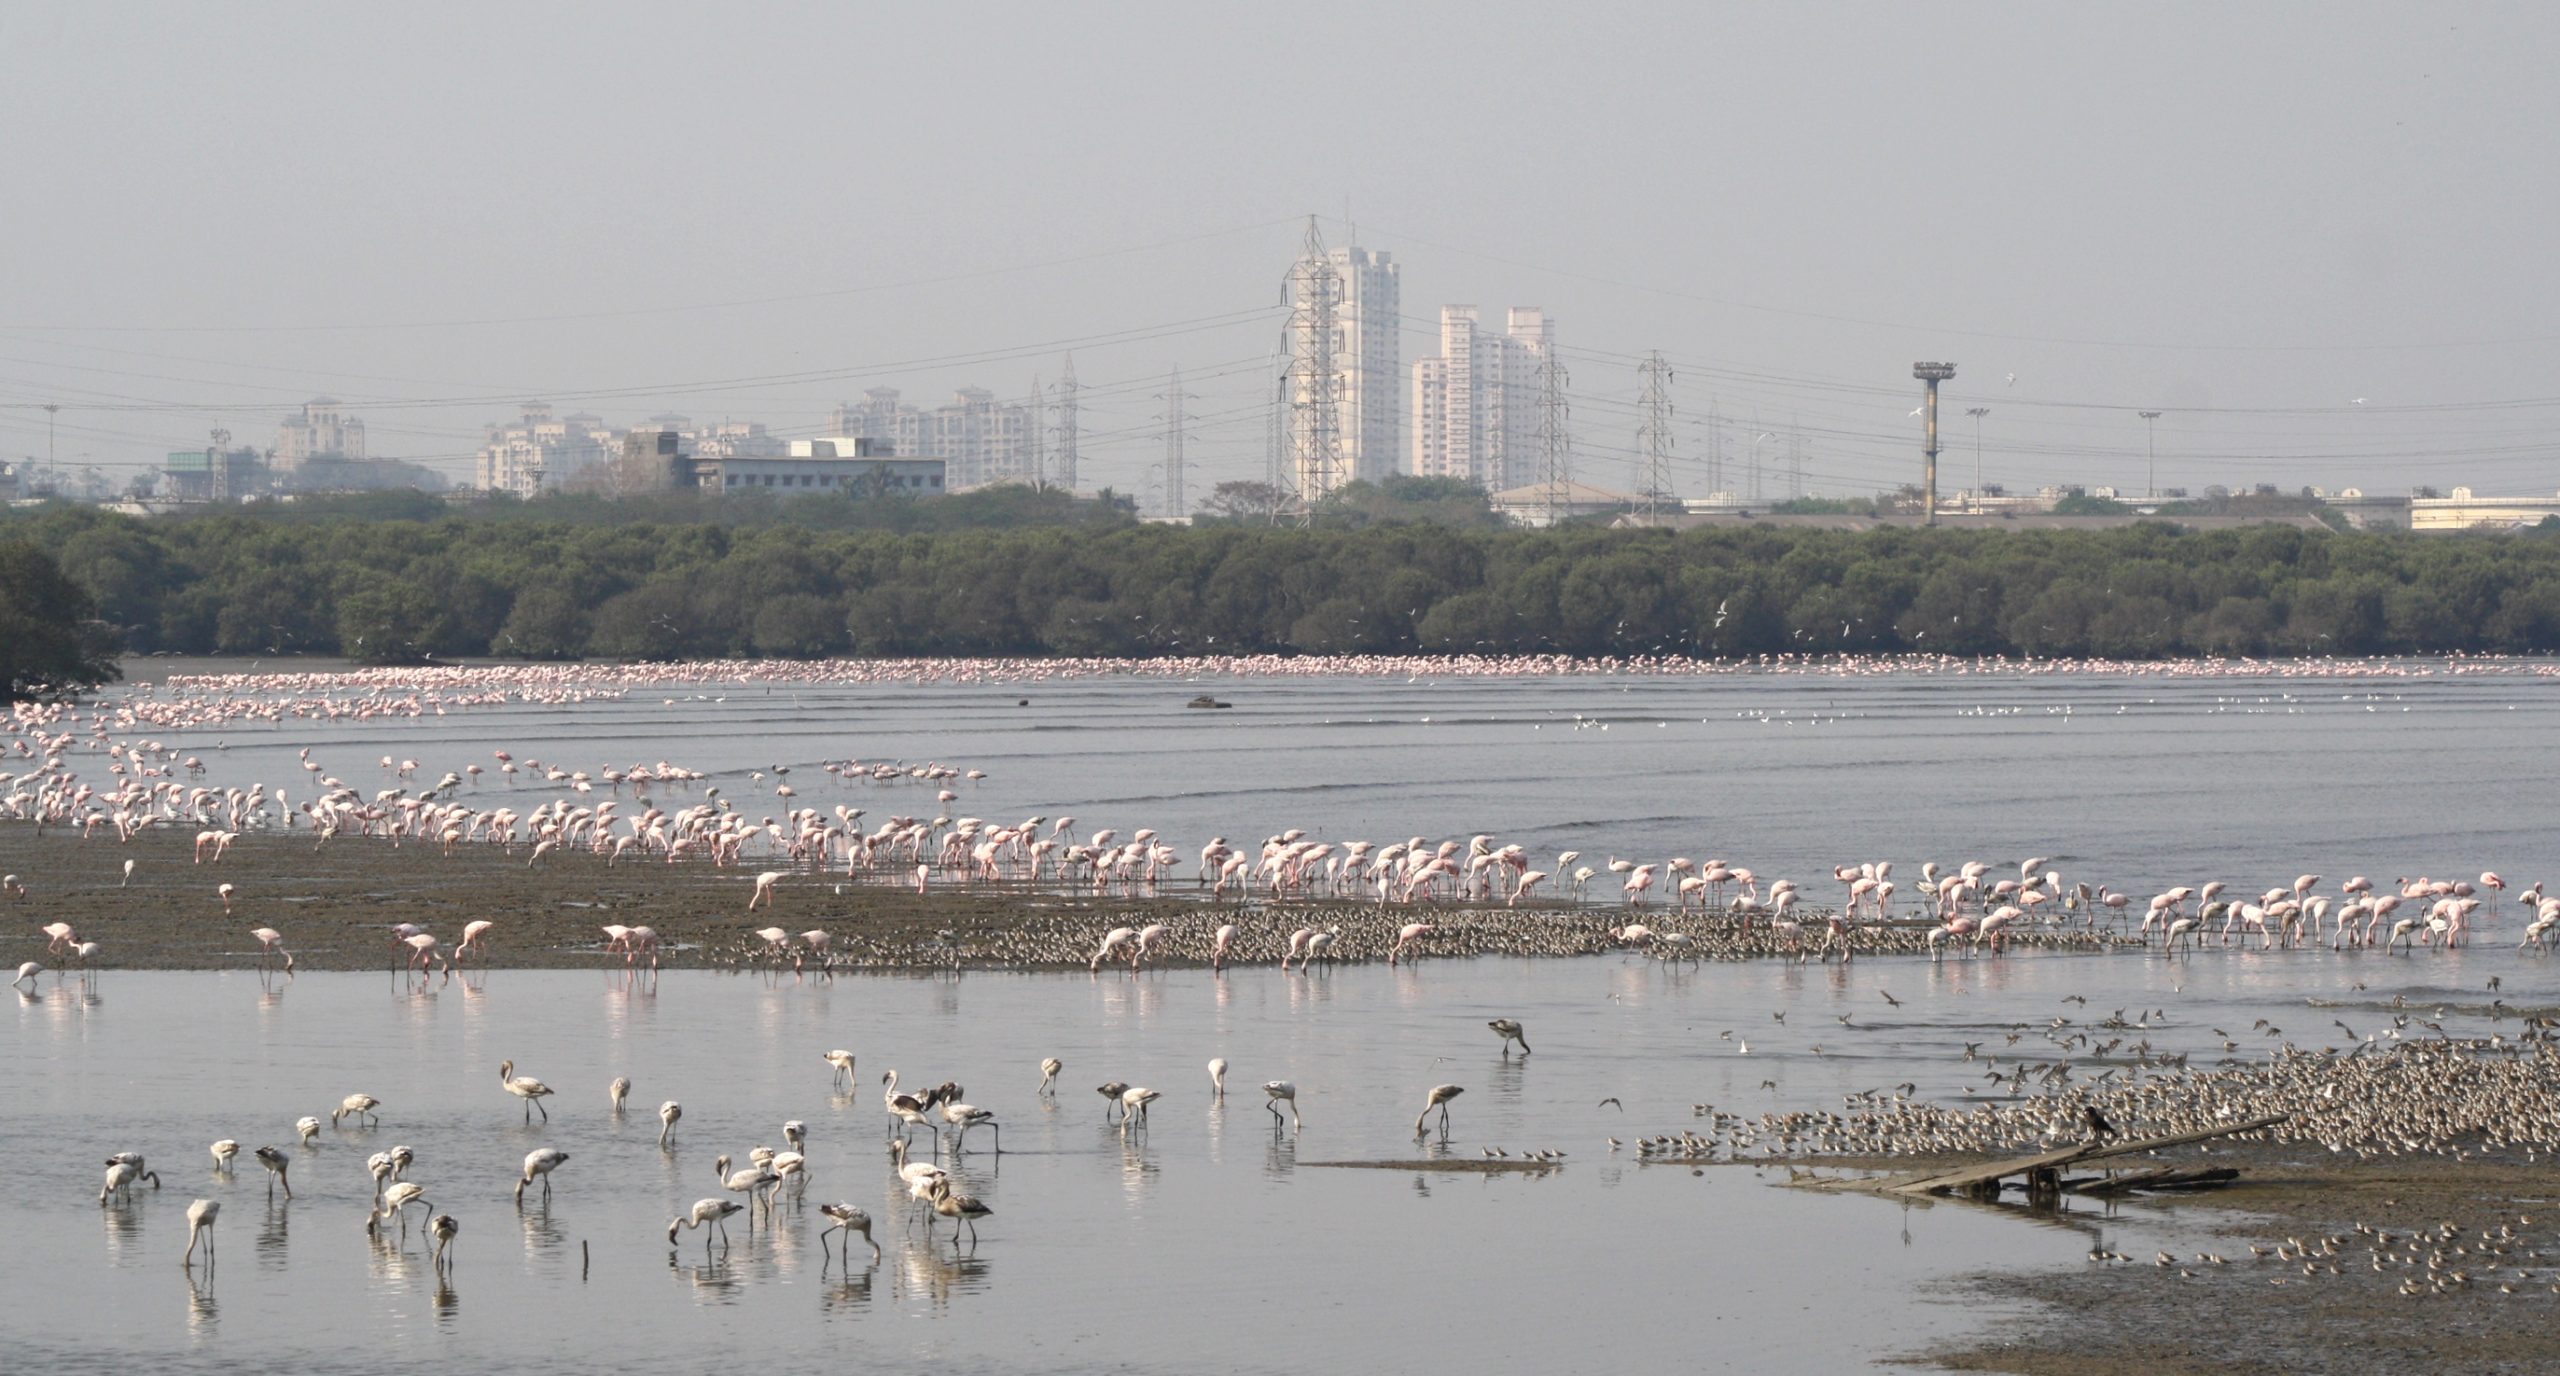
(2302, 236)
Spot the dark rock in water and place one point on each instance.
(1204, 700)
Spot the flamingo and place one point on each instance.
(123, 1169)
(395, 1204)
(271, 942)
(527, 1088)
(668, 1113)
(223, 1151)
(1280, 1092)
(277, 1164)
(764, 889)
(711, 1213)
(1112, 941)
(357, 1105)
(442, 1228)
(848, 1220)
(618, 1091)
(907, 1109)
(1133, 1104)
(1510, 1032)
(1406, 935)
(541, 1161)
(959, 1208)
(307, 1128)
(224, 892)
(1438, 1098)
(62, 937)
(27, 973)
(200, 1217)
(1049, 1068)
(843, 1062)
(967, 1116)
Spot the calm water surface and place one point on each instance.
(1206, 1244)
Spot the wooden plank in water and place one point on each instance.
(1938, 1181)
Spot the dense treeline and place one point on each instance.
(51, 642)
(516, 584)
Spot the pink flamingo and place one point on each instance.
(1219, 945)
(1406, 935)
(1638, 882)
(271, 942)
(764, 889)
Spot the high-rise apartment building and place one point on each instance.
(1475, 407)
(1368, 382)
(540, 452)
(979, 438)
(321, 431)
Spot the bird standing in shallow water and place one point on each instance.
(668, 1113)
(525, 1087)
(1510, 1032)
(276, 1163)
(618, 1091)
(200, 1217)
(442, 1228)
(540, 1162)
(1438, 1098)
(959, 1208)
(711, 1213)
(847, 1220)
(1049, 1069)
(1282, 1092)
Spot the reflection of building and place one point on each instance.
(538, 453)
(320, 431)
(205, 475)
(2465, 510)
(845, 465)
(979, 439)
(1475, 407)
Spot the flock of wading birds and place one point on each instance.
(931, 1189)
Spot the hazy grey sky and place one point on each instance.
(2247, 216)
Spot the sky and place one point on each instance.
(2314, 237)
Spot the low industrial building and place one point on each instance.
(2466, 510)
(1528, 506)
(843, 464)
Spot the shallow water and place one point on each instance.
(1201, 1243)
(2136, 781)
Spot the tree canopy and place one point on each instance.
(51, 642)
(389, 580)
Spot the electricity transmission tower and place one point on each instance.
(1174, 502)
(1655, 436)
(1067, 426)
(1555, 441)
(1039, 436)
(1315, 440)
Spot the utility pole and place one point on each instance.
(2151, 452)
(1655, 436)
(1275, 447)
(1932, 374)
(1758, 436)
(1795, 462)
(1977, 412)
(1067, 427)
(52, 469)
(1555, 441)
(220, 474)
(1173, 498)
(1315, 441)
